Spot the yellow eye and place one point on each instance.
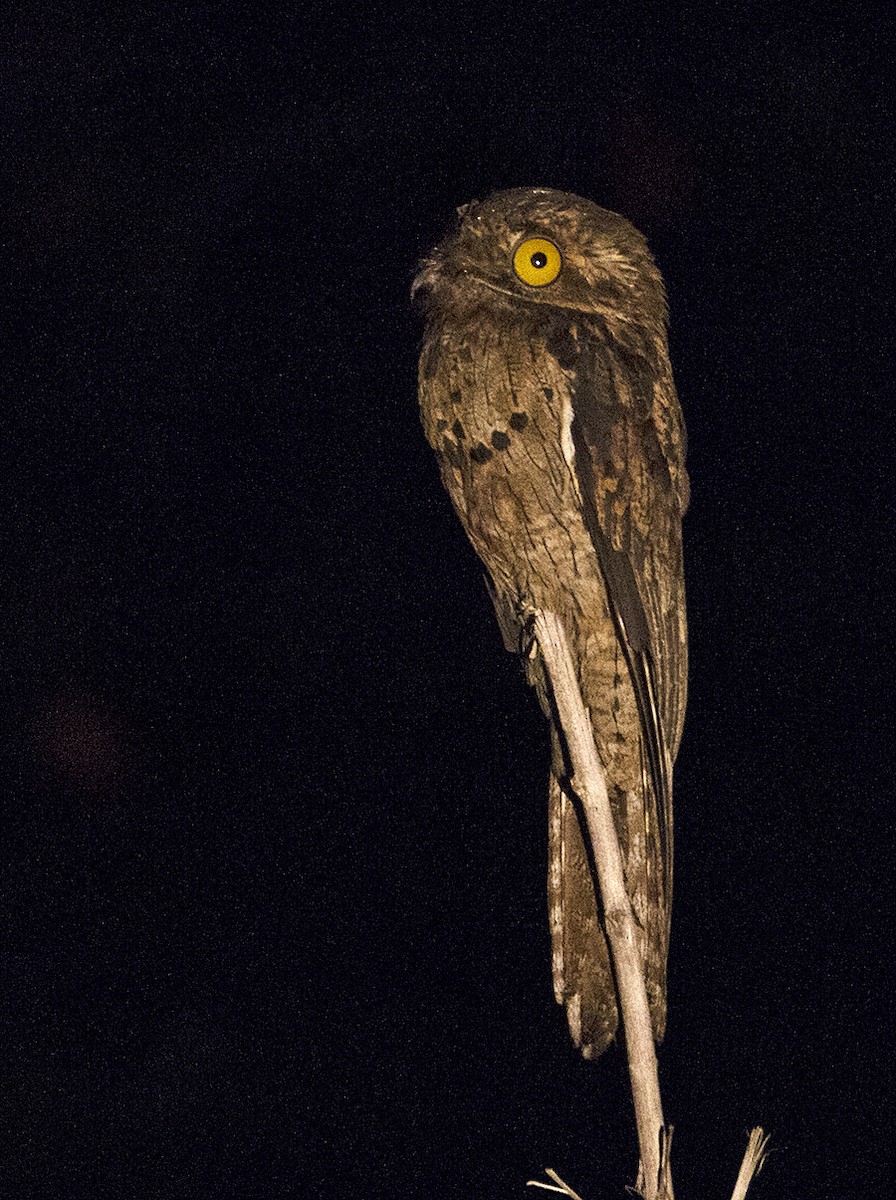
(537, 262)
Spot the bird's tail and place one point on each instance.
(583, 979)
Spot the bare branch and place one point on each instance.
(590, 785)
(564, 1189)
(754, 1157)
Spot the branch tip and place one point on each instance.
(754, 1157)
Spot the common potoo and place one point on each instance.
(547, 395)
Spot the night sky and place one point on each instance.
(273, 832)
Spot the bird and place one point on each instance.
(547, 394)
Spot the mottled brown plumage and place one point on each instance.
(551, 407)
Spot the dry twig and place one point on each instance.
(564, 1189)
(754, 1157)
(654, 1138)
(591, 788)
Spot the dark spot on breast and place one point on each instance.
(458, 430)
(441, 424)
(500, 440)
(480, 453)
(548, 393)
(465, 354)
(563, 346)
(519, 420)
(452, 453)
(455, 397)
(659, 467)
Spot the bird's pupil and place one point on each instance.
(539, 259)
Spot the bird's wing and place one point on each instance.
(629, 442)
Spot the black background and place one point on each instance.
(273, 836)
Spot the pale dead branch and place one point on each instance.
(589, 782)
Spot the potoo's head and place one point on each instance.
(541, 247)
